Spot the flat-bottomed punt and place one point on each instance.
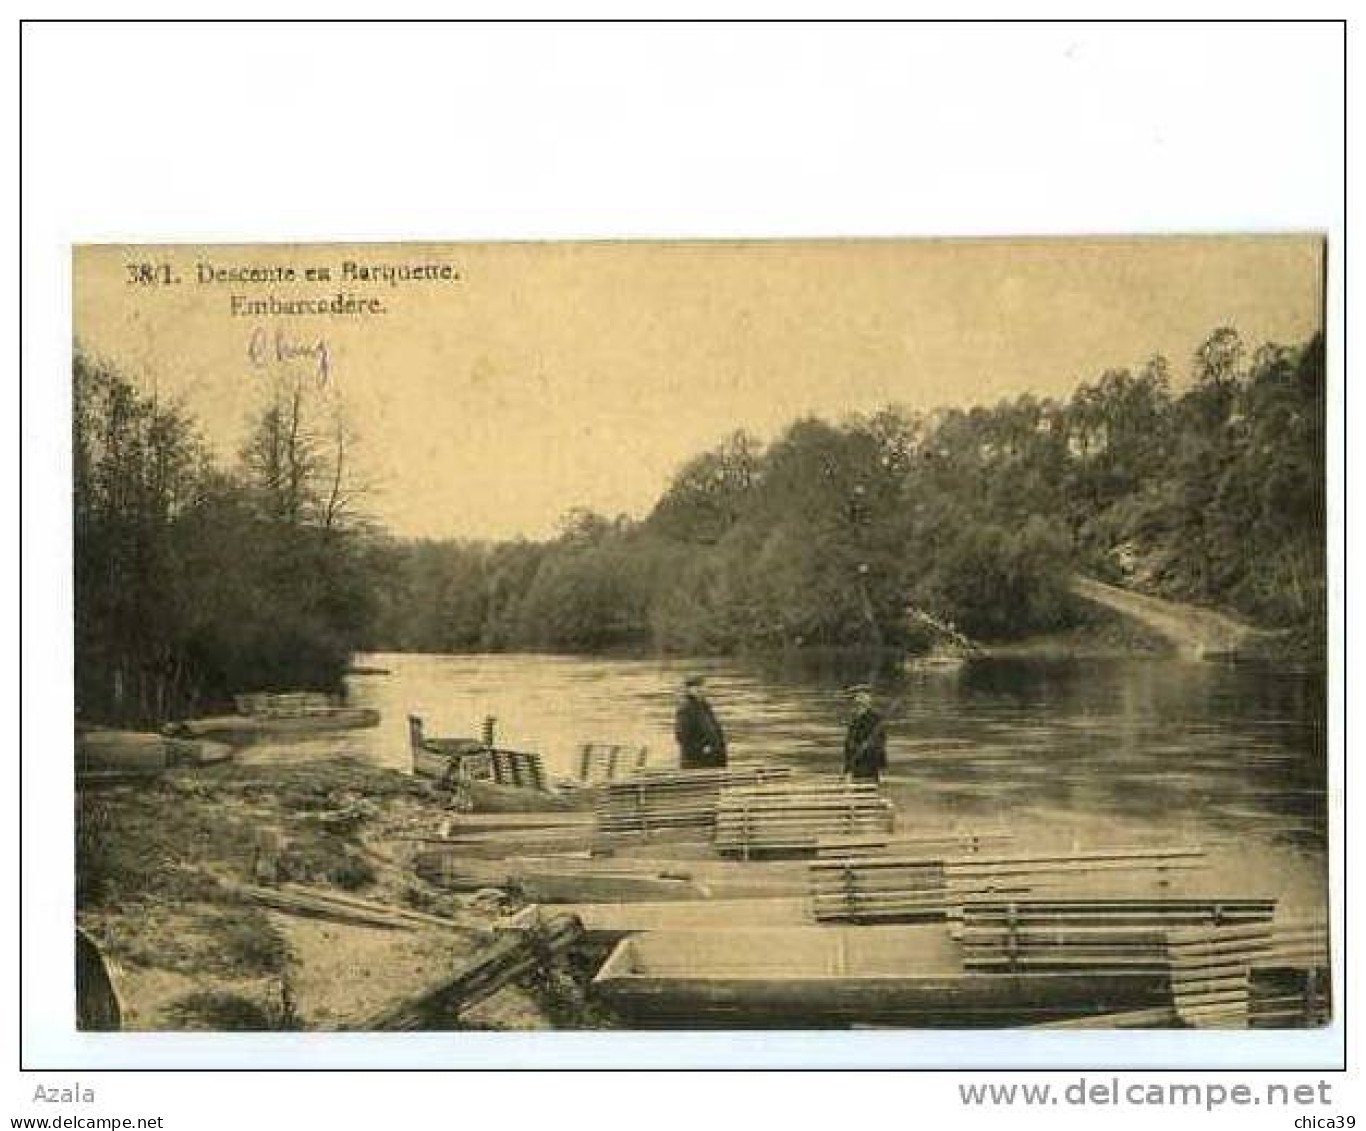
(488, 778)
(833, 977)
(117, 755)
(611, 922)
(549, 884)
(277, 714)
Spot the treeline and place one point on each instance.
(195, 581)
(1213, 494)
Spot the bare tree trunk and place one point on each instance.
(295, 469)
(334, 497)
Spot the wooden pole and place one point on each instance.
(513, 955)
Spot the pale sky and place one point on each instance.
(551, 376)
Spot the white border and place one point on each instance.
(239, 134)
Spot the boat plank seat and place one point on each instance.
(894, 888)
(548, 884)
(672, 801)
(456, 760)
(609, 922)
(793, 818)
(285, 704)
(600, 762)
(1206, 949)
(918, 846)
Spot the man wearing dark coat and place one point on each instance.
(701, 741)
(865, 742)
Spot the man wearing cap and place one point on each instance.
(701, 741)
(865, 742)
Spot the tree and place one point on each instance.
(978, 514)
(299, 455)
(137, 465)
(711, 493)
(191, 582)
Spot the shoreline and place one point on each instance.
(163, 862)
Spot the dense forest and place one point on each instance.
(194, 580)
(823, 537)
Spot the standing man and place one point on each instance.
(865, 742)
(701, 741)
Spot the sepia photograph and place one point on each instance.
(701, 635)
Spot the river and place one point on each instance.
(1152, 751)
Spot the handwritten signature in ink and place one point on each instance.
(266, 348)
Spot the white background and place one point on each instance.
(248, 133)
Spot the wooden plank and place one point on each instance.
(551, 885)
(512, 955)
(1161, 1017)
(577, 819)
(313, 903)
(603, 922)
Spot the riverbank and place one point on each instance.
(1095, 632)
(161, 865)
(1141, 752)
(1102, 635)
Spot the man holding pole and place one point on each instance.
(865, 742)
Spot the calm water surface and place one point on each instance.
(1079, 753)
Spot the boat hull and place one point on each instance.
(611, 922)
(831, 977)
(98, 1007)
(549, 885)
(132, 753)
(432, 760)
(431, 763)
(950, 1002)
(241, 730)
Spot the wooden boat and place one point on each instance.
(241, 730)
(472, 759)
(897, 888)
(718, 879)
(611, 922)
(548, 884)
(436, 764)
(124, 751)
(823, 977)
(672, 804)
(502, 844)
(600, 762)
(568, 822)
(793, 818)
(109, 754)
(487, 778)
(490, 797)
(437, 757)
(476, 860)
(98, 1008)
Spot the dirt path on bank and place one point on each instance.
(1194, 631)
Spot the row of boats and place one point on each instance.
(833, 923)
(753, 896)
(107, 754)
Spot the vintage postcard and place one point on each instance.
(868, 634)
